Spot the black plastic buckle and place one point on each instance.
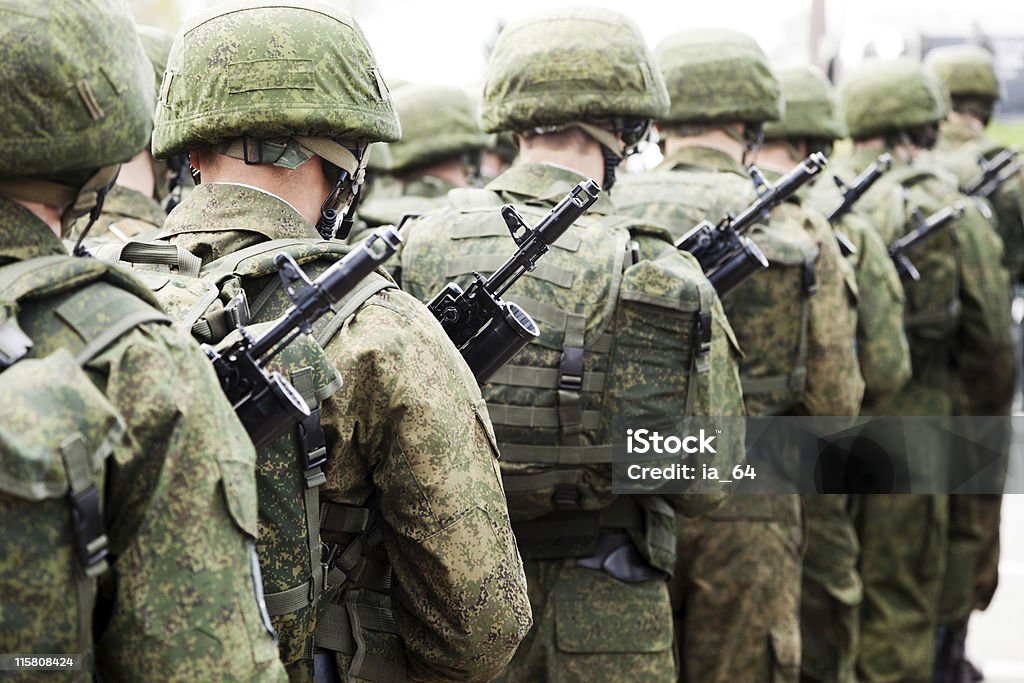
(704, 333)
(314, 442)
(256, 157)
(90, 534)
(570, 369)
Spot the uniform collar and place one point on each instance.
(220, 218)
(24, 236)
(701, 158)
(545, 182)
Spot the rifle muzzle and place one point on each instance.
(503, 337)
(740, 265)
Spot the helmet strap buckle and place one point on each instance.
(252, 151)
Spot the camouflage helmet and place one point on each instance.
(965, 70)
(717, 75)
(437, 122)
(576, 64)
(78, 90)
(271, 70)
(157, 44)
(811, 107)
(883, 96)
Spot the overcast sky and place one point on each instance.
(443, 41)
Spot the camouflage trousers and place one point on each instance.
(831, 593)
(903, 555)
(986, 575)
(736, 592)
(963, 550)
(590, 627)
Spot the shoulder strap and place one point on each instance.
(473, 198)
(137, 252)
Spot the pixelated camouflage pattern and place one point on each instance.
(41, 610)
(269, 70)
(408, 435)
(811, 107)
(283, 542)
(904, 538)
(882, 348)
(736, 592)
(965, 70)
(717, 75)
(181, 493)
(902, 562)
(589, 624)
(438, 122)
(157, 44)
(834, 382)
(592, 627)
(89, 98)
(570, 64)
(831, 592)
(132, 214)
(959, 148)
(881, 96)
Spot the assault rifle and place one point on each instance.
(994, 172)
(925, 229)
(486, 330)
(265, 402)
(725, 254)
(853, 193)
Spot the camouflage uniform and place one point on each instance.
(179, 601)
(903, 537)
(969, 74)
(832, 591)
(423, 578)
(737, 589)
(595, 562)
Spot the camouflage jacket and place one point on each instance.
(959, 148)
(963, 362)
(419, 196)
(698, 183)
(408, 435)
(540, 186)
(127, 214)
(179, 499)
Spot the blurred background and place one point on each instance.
(447, 42)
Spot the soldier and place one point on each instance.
(440, 150)
(737, 586)
(956, 316)
(623, 344)
(831, 593)
(972, 560)
(422, 575)
(104, 404)
(132, 207)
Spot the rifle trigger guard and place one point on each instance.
(291, 275)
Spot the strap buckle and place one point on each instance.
(90, 534)
(570, 369)
(703, 334)
(311, 434)
(252, 151)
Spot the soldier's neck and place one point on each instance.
(776, 156)
(452, 171)
(44, 212)
(966, 120)
(713, 138)
(878, 144)
(137, 174)
(587, 160)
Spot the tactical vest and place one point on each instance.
(298, 568)
(933, 303)
(51, 474)
(599, 366)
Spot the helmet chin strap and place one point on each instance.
(611, 149)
